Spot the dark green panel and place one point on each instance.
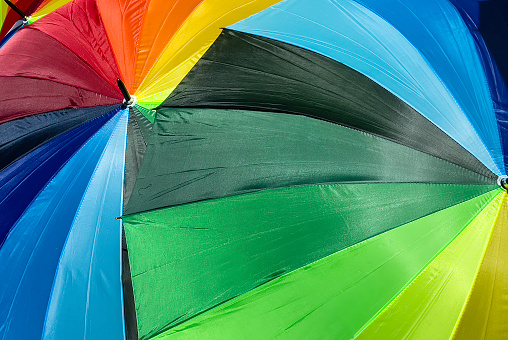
(250, 72)
(145, 125)
(198, 154)
(136, 148)
(187, 259)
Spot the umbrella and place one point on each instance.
(316, 170)
(16, 14)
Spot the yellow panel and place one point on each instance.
(3, 12)
(48, 8)
(191, 41)
(430, 307)
(486, 313)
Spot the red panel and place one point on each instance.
(78, 26)
(21, 97)
(39, 74)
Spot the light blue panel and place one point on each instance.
(86, 302)
(31, 252)
(437, 30)
(352, 34)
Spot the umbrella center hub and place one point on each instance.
(131, 102)
(503, 182)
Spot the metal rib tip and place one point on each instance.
(502, 181)
(17, 10)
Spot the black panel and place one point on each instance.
(249, 72)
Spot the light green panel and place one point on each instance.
(429, 308)
(3, 12)
(335, 296)
(146, 110)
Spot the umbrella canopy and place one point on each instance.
(289, 169)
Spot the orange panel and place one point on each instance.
(123, 21)
(162, 21)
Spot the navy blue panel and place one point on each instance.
(23, 180)
(19, 137)
(488, 23)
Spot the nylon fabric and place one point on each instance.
(256, 73)
(162, 16)
(22, 181)
(19, 137)
(437, 30)
(485, 313)
(72, 84)
(193, 38)
(252, 239)
(219, 150)
(86, 300)
(78, 27)
(431, 305)
(352, 34)
(30, 254)
(124, 32)
(366, 275)
(489, 35)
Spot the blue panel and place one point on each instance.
(30, 254)
(352, 34)
(86, 302)
(24, 179)
(488, 23)
(17, 26)
(437, 30)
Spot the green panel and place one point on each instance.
(485, 315)
(198, 154)
(430, 306)
(189, 258)
(147, 111)
(315, 302)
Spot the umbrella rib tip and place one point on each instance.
(503, 182)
